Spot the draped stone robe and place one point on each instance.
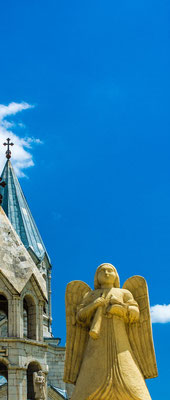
(109, 370)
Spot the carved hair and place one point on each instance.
(116, 283)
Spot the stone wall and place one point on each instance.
(16, 356)
(3, 392)
(55, 361)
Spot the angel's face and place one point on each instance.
(106, 276)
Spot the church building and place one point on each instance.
(31, 360)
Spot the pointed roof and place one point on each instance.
(15, 262)
(16, 208)
(56, 393)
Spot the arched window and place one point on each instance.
(29, 317)
(32, 367)
(3, 381)
(3, 316)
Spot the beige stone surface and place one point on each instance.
(15, 262)
(109, 350)
(3, 392)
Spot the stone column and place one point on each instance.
(40, 320)
(49, 300)
(17, 316)
(14, 317)
(10, 318)
(17, 384)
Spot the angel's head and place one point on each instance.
(106, 276)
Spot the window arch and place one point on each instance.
(29, 317)
(44, 276)
(33, 366)
(3, 316)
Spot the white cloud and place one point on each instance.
(7, 124)
(30, 140)
(160, 313)
(21, 157)
(12, 109)
(21, 125)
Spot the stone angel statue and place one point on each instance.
(39, 385)
(109, 349)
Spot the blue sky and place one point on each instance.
(92, 81)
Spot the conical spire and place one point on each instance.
(16, 208)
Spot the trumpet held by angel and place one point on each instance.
(109, 349)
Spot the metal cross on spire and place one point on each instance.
(8, 152)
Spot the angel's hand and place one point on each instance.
(99, 302)
(87, 311)
(118, 310)
(133, 314)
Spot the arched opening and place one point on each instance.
(29, 317)
(3, 381)
(32, 367)
(3, 316)
(44, 276)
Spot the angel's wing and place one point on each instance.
(140, 333)
(76, 334)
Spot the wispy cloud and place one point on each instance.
(13, 108)
(21, 157)
(160, 313)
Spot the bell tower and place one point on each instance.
(23, 296)
(17, 210)
(28, 351)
